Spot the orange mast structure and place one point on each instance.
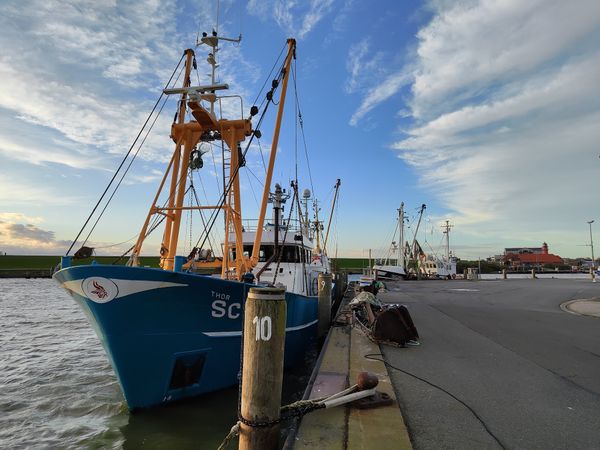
(186, 136)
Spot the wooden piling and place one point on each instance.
(324, 303)
(262, 376)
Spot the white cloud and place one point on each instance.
(15, 235)
(16, 192)
(386, 89)
(363, 65)
(14, 217)
(470, 47)
(505, 106)
(298, 18)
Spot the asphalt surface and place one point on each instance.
(527, 368)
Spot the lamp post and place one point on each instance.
(592, 246)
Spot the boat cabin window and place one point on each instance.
(289, 253)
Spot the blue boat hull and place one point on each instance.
(172, 335)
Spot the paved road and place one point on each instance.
(530, 370)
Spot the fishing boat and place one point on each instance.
(389, 267)
(445, 267)
(175, 332)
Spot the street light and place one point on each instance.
(592, 245)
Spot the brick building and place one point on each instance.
(522, 258)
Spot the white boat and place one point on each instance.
(389, 266)
(435, 267)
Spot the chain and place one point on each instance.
(253, 424)
(296, 409)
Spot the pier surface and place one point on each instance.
(509, 364)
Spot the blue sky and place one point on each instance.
(486, 111)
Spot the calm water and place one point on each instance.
(58, 390)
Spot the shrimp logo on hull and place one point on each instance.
(99, 290)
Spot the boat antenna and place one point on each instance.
(213, 42)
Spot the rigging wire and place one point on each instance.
(126, 156)
(221, 202)
(131, 161)
(117, 244)
(269, 76)
(282, 245)
(248, 172)
(301, 121)
(158, 219)
(212, 246)
(295, 129)
(125, 172)
(261, 155)
(193, 190)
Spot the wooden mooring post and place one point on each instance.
(324, 303)
(262, 376)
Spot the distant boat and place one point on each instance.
(437, 267)
(174, 332)
(388, 266)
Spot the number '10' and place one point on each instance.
(263, 328)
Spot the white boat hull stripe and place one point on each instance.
(125, 287)
(239, 333)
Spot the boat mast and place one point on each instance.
(417, 229)
(263, 208)
(401, 237)
(179, 176)
(337, 188)
(413, 248)
(318, 227)
(204, 127)
(174, 166)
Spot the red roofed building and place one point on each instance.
(528, 257)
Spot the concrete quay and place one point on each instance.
(511, 364)
(345, 427)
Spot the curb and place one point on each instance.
(572, 307)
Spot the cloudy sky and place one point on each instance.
(486, 111)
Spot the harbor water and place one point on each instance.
(58, 390)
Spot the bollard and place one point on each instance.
(533, 277)
(179, 262)
(504, 274)
(65, 261)
(262, 377)
(324, 303)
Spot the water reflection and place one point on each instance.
(57, 389)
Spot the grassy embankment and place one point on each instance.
(18, 262)
(9, 262)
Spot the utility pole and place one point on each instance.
(592, 246)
